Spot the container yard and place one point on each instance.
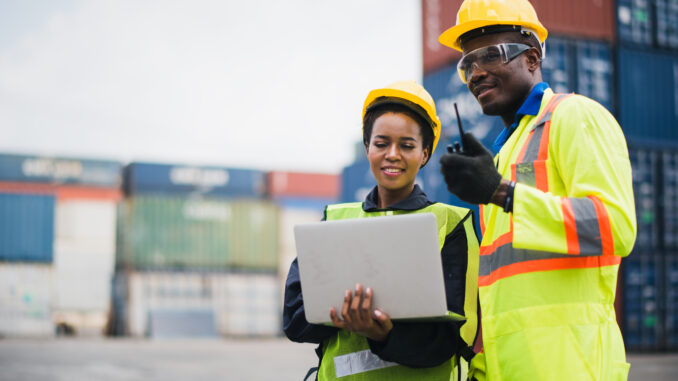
(170, 261)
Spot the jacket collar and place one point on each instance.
(415, 201)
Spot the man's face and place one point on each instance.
(500, 90)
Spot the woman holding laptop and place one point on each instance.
(400, 133)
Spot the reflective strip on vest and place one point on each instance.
(359, 362)
(530, 168)
(586, 222)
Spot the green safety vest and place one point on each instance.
(347, 355)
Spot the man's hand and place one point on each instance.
(471, 174)
(357, 316)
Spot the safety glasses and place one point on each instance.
(488, 58)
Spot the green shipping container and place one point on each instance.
(160, 232)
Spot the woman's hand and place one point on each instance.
(356, 316)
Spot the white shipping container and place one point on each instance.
(25, 300)
(84, 257)
(242, 304)
(289, 217)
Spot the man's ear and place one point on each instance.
(533, 59)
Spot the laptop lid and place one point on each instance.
(397, 256)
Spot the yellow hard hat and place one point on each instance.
(477, 14)
(412, 92)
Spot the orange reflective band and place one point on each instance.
(570, 226)
(604, 225)
(501, 241)
(482, 219)
(562, 263)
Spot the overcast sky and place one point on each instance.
(273, 85)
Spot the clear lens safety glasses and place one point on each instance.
(488, 57)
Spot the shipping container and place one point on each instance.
(671, 305)
(446, 88)
(84, 256)
(634, 21)
(648, 97)
(666, 16)
(238, 304)
(643, 327)
(62, 192)
(356, 181)
(25, 300)
(669, 199)
(646, 187)
(26, 227)
(149, 178)
(176, 232)
(296, 184)
(576, 18)
(54, 170)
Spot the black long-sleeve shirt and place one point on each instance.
(413, 344)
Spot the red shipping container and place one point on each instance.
(295, 184)
(62, 192)
(593, 19)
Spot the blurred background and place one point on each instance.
(155, 156)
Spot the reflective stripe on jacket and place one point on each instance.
(548, 270)
(348, 355)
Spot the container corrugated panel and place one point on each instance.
(643, 299)
(595, 71)
(634, 22)
(308, 203)
(575, 18)
(648, 97)
(356, 181)
(578, 18)
(84, 256)
(671, 305)
(175, 232)
(150, 178)
(446, 88)
(241, 303)
(24, 168)
(669, 199)
(437, 17)
(557, 68)
(25, 300)
(666, 13)
(644, 165)
(26, 227)
(296, 184)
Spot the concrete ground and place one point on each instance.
(174, 360)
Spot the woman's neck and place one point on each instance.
(388, 197)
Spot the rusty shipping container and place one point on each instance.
(590, 19)
(297, 184)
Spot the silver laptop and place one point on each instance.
(397, 256)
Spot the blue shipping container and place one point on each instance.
(644, 165)
(648, 97)
(666, 12)
(148, 178)
(643, 326)
(669, 198)
(356, 181)
(671, 305)
(54, 170)
(634, 20)
(26, 227)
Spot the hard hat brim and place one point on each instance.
(451, 37)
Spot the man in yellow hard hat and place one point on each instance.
(556, 205)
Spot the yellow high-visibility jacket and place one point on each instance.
(548, 270)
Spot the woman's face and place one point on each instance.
(396, 152)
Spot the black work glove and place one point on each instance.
(470, 174)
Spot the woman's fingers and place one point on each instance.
(345, 308)
(366, 306)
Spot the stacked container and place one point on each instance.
(302, 198)
(57, 220)
(197, 247)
